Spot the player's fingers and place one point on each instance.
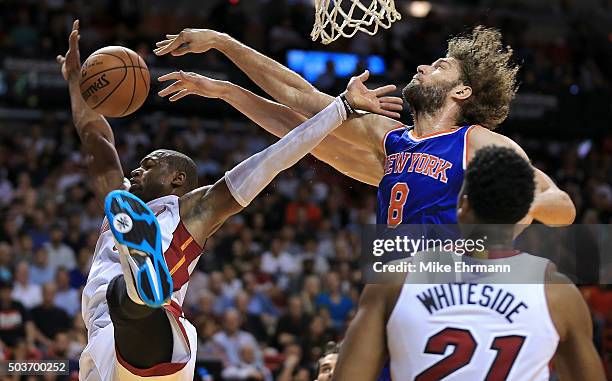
(168, 48)
(397, 100)
(181, 50)
(163, 43)
(75, 25)
(73, 39)
(390, 114)
(171, 36)
(169, 76)
(179, 95)
(60, 59)
(391, 106)
(364, 76)
(171, 89)
(384, 90)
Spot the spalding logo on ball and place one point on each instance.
(115, 81)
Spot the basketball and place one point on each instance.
(114, 81)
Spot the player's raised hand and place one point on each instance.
(71, 63)
(188, 83)
(187, 41)
(362, 98)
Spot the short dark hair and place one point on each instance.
(499, 185)
(331, 348)
(180, 162)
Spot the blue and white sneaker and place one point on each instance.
(138, 238)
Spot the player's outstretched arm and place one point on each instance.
(576, 357)
(551, 205)
(277, 119)
(205, 209)
(281, 83)
(94, 131)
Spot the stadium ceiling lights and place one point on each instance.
(418, 9)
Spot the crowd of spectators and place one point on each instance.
(280, 280)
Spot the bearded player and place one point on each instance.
(460, 331)
(146, 252)
(456, 103)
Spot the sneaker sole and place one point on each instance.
(138, 238)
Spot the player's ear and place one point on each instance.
(461, 92)
(179, 179)
(463, 208)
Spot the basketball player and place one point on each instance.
(456, 103)
(327, 363)
(463, 337)
(146, 252)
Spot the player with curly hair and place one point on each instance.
(456, 103)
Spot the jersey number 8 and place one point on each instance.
(399, 195)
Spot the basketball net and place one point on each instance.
(332, 21)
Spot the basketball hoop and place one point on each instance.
(333, 20)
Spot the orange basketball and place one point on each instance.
(114, 81)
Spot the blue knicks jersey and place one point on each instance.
(423, 177)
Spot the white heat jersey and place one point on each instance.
(181, 253)
(484, 331)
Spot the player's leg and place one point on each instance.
(143, 335)
(142, 330)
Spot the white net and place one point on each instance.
(336, 18)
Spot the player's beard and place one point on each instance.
(426, 99)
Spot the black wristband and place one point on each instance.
(349, 110)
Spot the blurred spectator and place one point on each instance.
(221, 300)
(337, 303)
(309, 293)
(66, 298)
(60, 254)
(303, 210)
(41, 271)
(277, 261)
(260, 304)
(60, 350)
(315, 339)
(232, 338)
(312, 258)
(6, 274)
(293, 323)
(291, 364)
(78, 275)
(15, 324)
(48, 319)
(327, 82)
(248, 369)
(250, 322)
(208, 349)
(231, 283)
(194, 136)
(24, 291)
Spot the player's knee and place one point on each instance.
(116, 288)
